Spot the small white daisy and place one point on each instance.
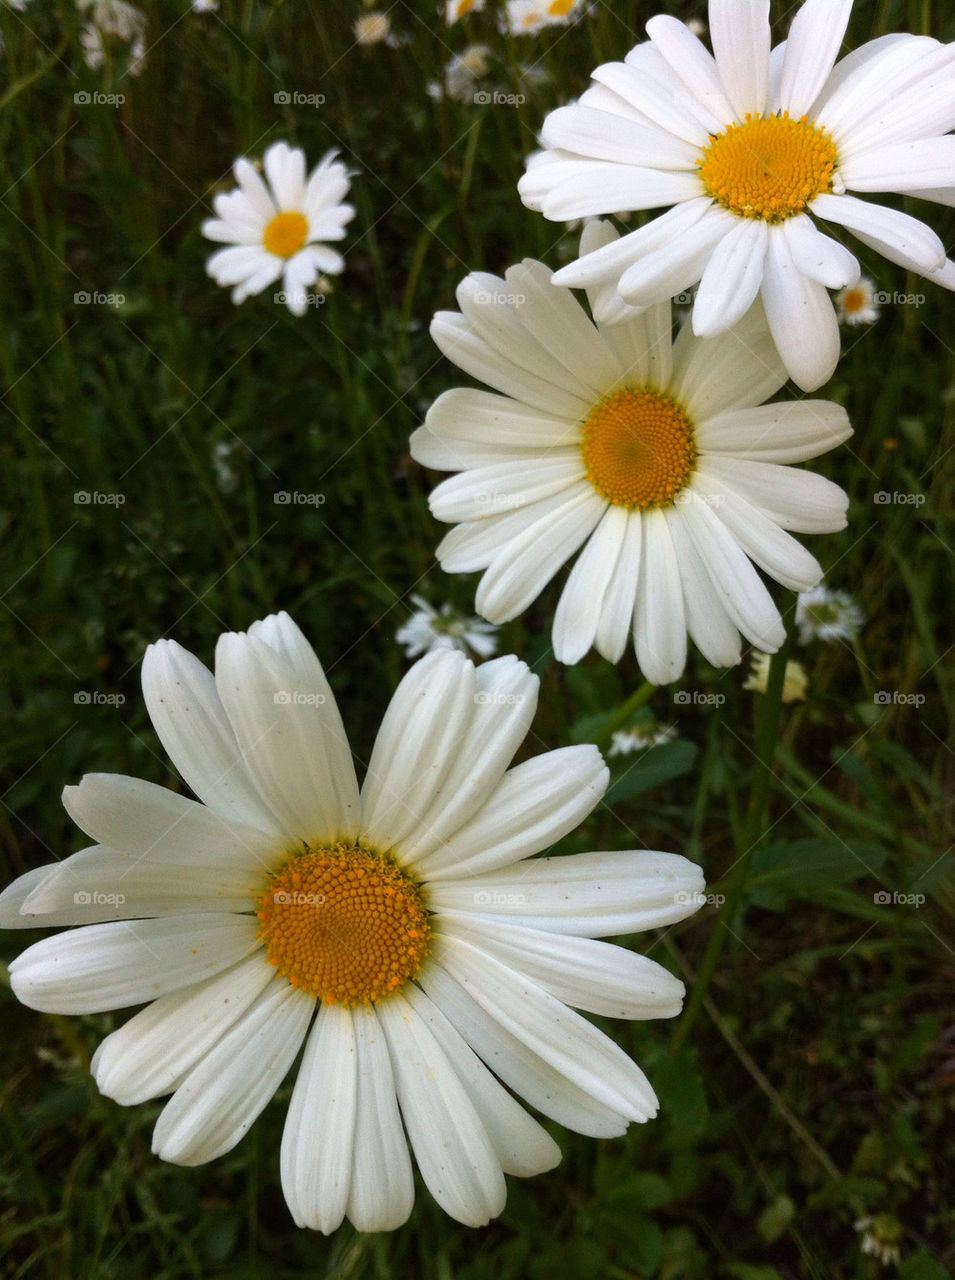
(750, 148)
(457, 9)
(881, 1238)
(113, 20)
(280, 226)
(528, 17)
(626, 741)
(827, 615)
(205, 6)
(795, 680)
(403, 934)
(372, 28)
(660, 461)
(460, 75)
(858, 304)
(429, 629)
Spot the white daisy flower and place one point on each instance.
(626, 741)
(205, 6)
(429, 629)
(457, 9)
(527, 17)
(661, 462)
(372, 28)
(460, 75)
(750, 147)
(795, 680)
(881, 1238)
(827, 615)
(858, 304)
(113, 19)
(280, 225)
(402, 933)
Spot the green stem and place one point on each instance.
(620, 717)
(768, 710)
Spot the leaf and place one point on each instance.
(657, 765)
(921, 1266)
(642, 1190)
(801, 868)
(594, 688)
(775, 1218)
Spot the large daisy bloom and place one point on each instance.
(402, 933)
(752, 147)
(278, 226)
(660, 460)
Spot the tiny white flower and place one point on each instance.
(858, 304)
(827, 615)
(460, 75)
(881, 1238)
(404, 935)
(113, 20)
(626, 741)
(372, 28)
(205, 6)
(431, 629)
(527, 17)
(795, 680)
(456, 9)
(280, 226)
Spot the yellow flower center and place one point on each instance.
(853, 300)
(768, 167)
(638, 448)
(344, 925)
(560, 8)
(285, 234)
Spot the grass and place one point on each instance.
(811, 1086)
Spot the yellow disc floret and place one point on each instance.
(638, 448)
(286, 234)
(344, 924)
(768, 167)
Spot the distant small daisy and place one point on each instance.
(279, 226)
(403, 937)
(858, 304)
(461, 73)
(881, 1238)
(626, 741)
(527, 17)
(456, 9)
(795, 681)
(372, 28)
(113, 20)
(205, 6)
(431, 629)
(827, 615)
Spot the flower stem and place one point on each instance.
(637, 699)
(768, 707)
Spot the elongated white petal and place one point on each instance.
(877, 72)
(111, 966)
(454, 1153)
(731, 278)
(678, 264)
(502, 487)
(533, 806)
(616, 616)
(739, 31)
(815, 36)
(150, 1053)
(598, 977)
(801, 317)
(216, 1104)
(818, 256)
(285, 169)
(612, 259)
(595, 187)
(602, 136)
(482, 418)
(659, 623)
(593, 895)
(319, 1135)
(382, 1184)
(902, 166)
(767, 545)
(797, 500)
(791, 431)
(701, 380)
(474, 545)
(581, 603)
(647, 83)
(708, 623)
(693, 64)
(15, 895)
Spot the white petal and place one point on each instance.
(505, 702)
(480, 492)
(455, 1155)
(289, 730)
(896, 235)
(818, 257)
(154, 824)
(707, 622)
(15, 895)
(188, 715)
(598, 135)
(692, 63)
(616, 616)
(792, 431)
(571, 1045)
(255, 190)
(535, 804)
(149, 1054)
(926, 109)
(659, 624)
(767, 545)
(731, 278)
(417, 744)
(815, 37)
(646, 82)
(239, 263)
(677, 265)
(739, 587)
(734, 370)
(592, 187)
(520, 571)
(221, 1097)
(593, 895)
(800, 501)
(520, 1067)
(801, 317)
(902, 166)
(111, 966)
(872, 74)
(285, 169)
(503, 427)
(475, 544)
(522, 1147)
(581, 602)
(739, 32)
(598, 977)
(382, 1183)
(319, 1134)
